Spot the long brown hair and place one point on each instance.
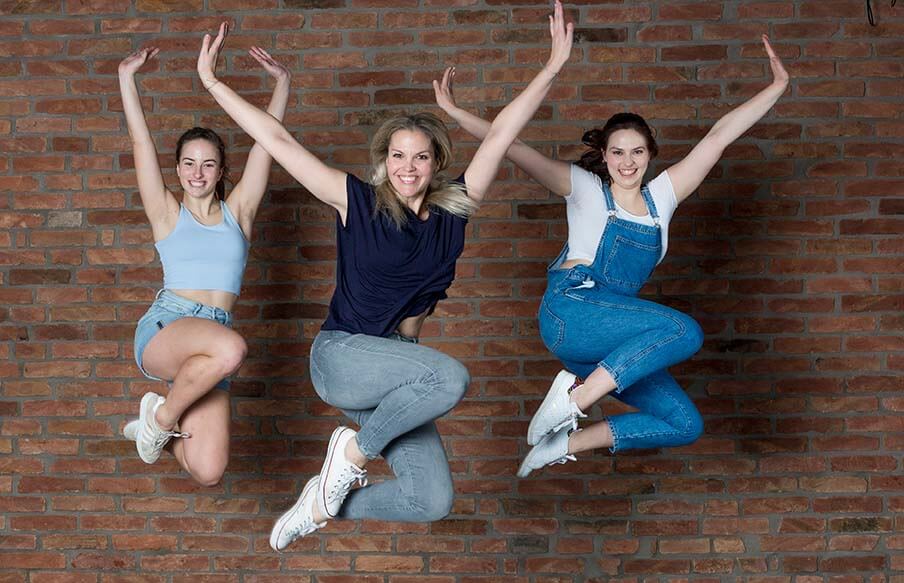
(442, 193)
(598, 139)
(198, 133)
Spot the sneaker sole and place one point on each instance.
(533, 439)
(324, 470)
(289, 514)
(147, 398)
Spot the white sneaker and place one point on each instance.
(338, 474)
(556, 411)
(150, 439)
(130, 431)
(552, 449)
(298, 521)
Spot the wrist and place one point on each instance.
(551, 70)
(209, 83)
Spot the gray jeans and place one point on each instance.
(393, 390)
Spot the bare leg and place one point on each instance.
(197, 354)
(206, 454)
(596, 386)
(592, 437)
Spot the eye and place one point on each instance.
(396, 155)
(423, 157)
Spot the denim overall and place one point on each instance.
(591, 317)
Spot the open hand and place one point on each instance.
(779, 74)
(131, 64)
(207, 59)
(443, 90)
(562, 34)
(276, 69)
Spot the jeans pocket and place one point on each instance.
(552, 328)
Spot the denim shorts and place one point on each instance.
(166, 309)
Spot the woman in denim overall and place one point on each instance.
(590, 316)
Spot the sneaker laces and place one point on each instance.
(162, 436)
(574, 413)
(563, 460)
(306, 526)
(346, 478)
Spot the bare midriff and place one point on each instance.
(209, 297)
(411, 326)
(572, 262)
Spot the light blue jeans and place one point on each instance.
(587, 325)
(394, 390)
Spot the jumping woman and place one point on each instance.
(399, 236)
(590, 316)
(186, 336)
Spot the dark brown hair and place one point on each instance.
(211, 136)
(597, 139)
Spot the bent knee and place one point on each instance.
(432, 504)
(690, 334)
(452, 379)
(230, 353)
(690, 427)
(208, 474)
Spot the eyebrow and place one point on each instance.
(402, 152)
(184, 158)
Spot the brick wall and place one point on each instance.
(790, 257)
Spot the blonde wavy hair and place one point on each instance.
(442, 193)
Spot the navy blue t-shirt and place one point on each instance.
(384, 274)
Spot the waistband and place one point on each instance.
(184, 305)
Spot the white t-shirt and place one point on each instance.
(587, 212)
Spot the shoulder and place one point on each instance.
(356, 185)
(358, 191)
(583, 182)
(663, 193)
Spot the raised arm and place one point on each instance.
(687, 174)
(553, 174)
(324, 182)
(160, 205)
(246, 197)
(510, 121)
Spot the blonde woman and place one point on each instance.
(399, 236)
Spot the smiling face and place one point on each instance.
(627, 156)
(199, 168)
(410, 164)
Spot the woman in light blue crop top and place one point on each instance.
(590, 317)
(398, 237)
(186, 337)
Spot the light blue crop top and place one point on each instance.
(196, 256)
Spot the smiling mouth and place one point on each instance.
(630, 172)
(407, 179)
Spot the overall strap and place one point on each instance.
(648, 198)
(610, 202)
